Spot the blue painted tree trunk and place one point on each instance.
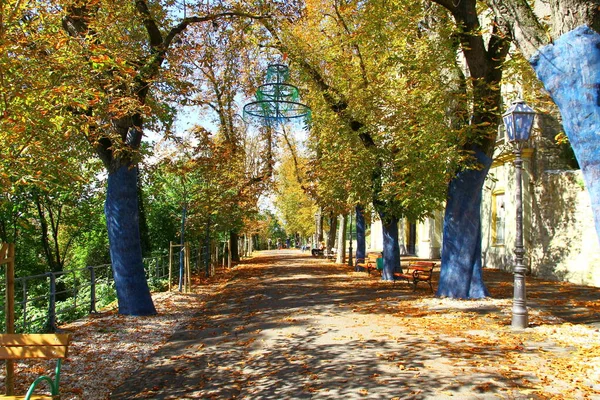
(391, 248)
(122, 222)
(461, 273)
(361, 247)
(570, 70)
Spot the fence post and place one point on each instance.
(92, 289)
(51, 323)
(7, 256)
(170, 263)
(24, 305)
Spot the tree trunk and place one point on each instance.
(570, 72)
(461, 272)
(341, 249)
(208, 249)
(181, 248)
(391, 248)
(122, 222)
(332, 231)
(319, 227)
(361, 244)
(234, 246)
(145, 241)
(484, 61)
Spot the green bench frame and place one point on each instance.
(36, 346)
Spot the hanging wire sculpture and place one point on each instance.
(277, 101)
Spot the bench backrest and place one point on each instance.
(22, 346)
(425, 264)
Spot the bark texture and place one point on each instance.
(461, 272)
(570, 71)
(391, 247)
(122, 222)
(361, 243)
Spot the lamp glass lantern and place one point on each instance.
(518, 120)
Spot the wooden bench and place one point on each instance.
(36, 346)
(417, 271)
(369, 263)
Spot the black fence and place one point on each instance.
(42, 302)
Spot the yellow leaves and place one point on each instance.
(99, 59)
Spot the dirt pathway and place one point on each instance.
(288, 326)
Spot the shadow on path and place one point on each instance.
(289, 326)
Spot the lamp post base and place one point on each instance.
(519, 321)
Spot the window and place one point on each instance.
(498, 218)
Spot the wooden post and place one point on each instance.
(170, 263)
(229, 257)
(188, 272)
(7, 256)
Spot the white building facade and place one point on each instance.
(559, 233)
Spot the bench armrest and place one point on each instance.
(43, 378)
(54, 383)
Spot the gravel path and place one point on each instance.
(288, 326)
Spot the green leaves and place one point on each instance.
(380, 98)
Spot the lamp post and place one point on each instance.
(518, 121)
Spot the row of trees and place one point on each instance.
(395, 117)
(80, 78)
(418, 124)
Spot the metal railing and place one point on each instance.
(46, 300)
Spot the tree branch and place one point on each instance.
(154, 34)
(521, 24)
(355, 46)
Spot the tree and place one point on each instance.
(461, 273)
(225, 68)
(563, 49)
(106, 72)
(296, 209)
(382, 80)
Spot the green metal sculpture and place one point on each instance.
(277, 101)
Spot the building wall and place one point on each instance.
(565, 246)
(560, 239)
(428, 241)
(559, 234)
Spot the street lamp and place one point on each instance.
(518, 121)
